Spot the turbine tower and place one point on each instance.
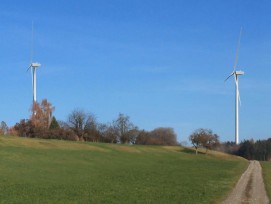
(235, 74)
(33, 66)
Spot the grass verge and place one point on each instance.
(266, 167)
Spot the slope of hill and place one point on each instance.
(50, 171)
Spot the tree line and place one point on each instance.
(83, 126)
(249, 149)
(252, 150)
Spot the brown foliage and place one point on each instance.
(42, 114)
(13, 132)
(109, 133)
(59, 134)
(27, 129)
(84, 127)
(163, 136)
(143, 138)
(204, 138)
(159, 136)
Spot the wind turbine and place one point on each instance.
(235, 74)
(33, 66)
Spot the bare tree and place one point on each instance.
(25, 128)
(158, 136)
(108, 133)
(91, 131)
(163, 136)
(3, 128)
(63, 125)
(143, 138)
(123, 126)
(212, 140)
(82, 123)
(77, 120)
(203, 138)
(133, 134)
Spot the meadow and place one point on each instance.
(266, 167)
(53, 171)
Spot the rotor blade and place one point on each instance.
(28, 68)
(239, 98)
(237, 50)
(32, 43)
(237, 89)
(32, 77)
(229, 76)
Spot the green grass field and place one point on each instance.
(266, 166)
(51, 171)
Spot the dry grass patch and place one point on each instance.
(48, 144)
(173, 148)
(213, 153)
(124, 148)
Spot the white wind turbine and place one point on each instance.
(33, 66)
(235, 74)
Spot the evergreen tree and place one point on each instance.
(54, 124)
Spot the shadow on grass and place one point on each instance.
(191, 151)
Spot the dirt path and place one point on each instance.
(250, 187)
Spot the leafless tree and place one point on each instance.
(203, 138)
(143, 138)
(82, 123)
(158, 136)
(123, 126)
(108, 133)
(63, 125)
(3, 128)
(91, 132)
(163, 136)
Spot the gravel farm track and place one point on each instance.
(250, 187)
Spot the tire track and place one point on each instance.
(250, 188)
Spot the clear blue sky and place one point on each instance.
(163, 63)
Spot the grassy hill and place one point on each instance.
(51, 171)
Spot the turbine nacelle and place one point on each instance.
(235, 73)
(35, 65)
(239, 72)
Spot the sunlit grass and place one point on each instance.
(51, 171)
(266, 167)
